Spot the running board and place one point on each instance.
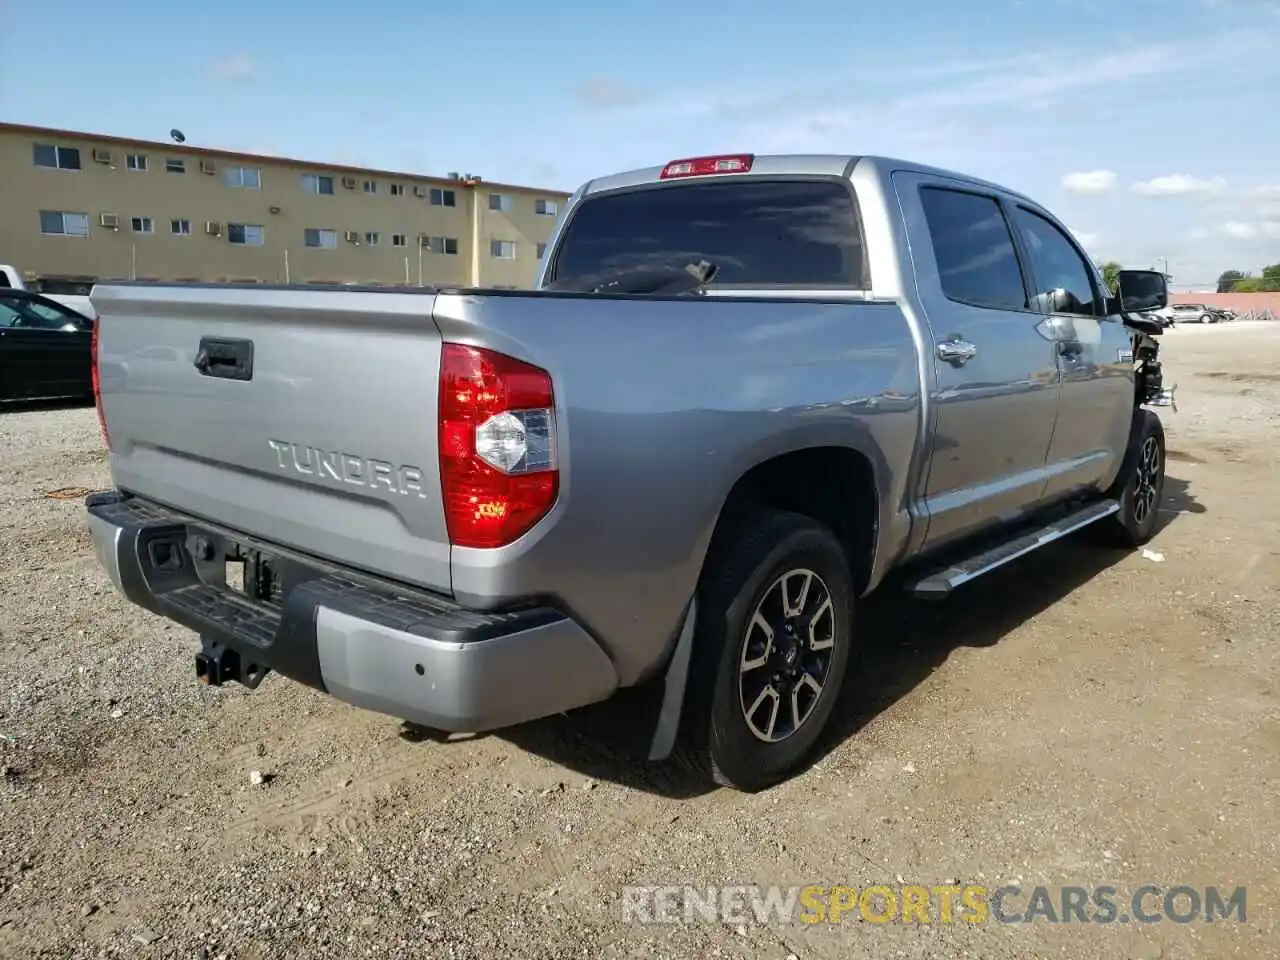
(940, 583)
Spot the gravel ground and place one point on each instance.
(1081, 718)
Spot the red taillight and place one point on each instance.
(704, 166)
(97, 380)
(498, 469)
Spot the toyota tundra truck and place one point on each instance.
(744, 389)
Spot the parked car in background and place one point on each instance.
(1223, 314)
(45, 349)
(747, 389)
(1192, 313)
(11, 279)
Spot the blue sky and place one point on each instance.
(1149, 126)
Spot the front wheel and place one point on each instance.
(775, 631)
(1140, 484)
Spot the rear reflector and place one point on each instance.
(706, 166)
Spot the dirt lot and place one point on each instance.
(1083, 718)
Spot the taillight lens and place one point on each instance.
(498, 469)
(97, 380)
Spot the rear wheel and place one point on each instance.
(775, 630)
(1140, 485)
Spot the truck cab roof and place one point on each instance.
(798, 164)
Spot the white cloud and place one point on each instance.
(1180, 185)
(1085, 238)
(1240, 230)
(1090, 182)
(235, 66)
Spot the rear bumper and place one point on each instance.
(377, 645)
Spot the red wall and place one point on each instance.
(1239, 302)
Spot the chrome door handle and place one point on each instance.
(956, 351)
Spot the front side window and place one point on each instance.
(972, 245)
(1062, 278)
(767, 232)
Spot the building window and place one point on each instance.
(371, 238)
(180, 228)
(175, 166)
(314, 183)
(60, 223)
(546, 208)
(445, 245)
(399, 240)
(542, 250)
(245, 234)
(500, 202)
(370, 186)
(443, 198)
(141, 225)
(250, 177)
(135, 161)
(59, 158)
(397, 189)
(325, 239)
(502, 249)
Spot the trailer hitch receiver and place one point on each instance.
(217, 664)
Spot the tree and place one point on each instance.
(1111, 275)
(1268, 282)
(1228, 280)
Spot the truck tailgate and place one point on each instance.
(324, 441)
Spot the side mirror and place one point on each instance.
(1140, 290)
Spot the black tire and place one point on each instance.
(1140, 484)
(717, 738)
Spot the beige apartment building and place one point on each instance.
(80, 207)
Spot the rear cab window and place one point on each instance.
(759, 231)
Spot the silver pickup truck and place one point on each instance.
(746, 389)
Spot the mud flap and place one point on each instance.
(674, 682)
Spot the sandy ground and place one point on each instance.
(1082, 718)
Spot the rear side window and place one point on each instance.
(977, 263)
(774, 232)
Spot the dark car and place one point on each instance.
(44, 349)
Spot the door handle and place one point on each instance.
(226, 359)
(956, 351)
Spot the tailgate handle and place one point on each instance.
(228, 359)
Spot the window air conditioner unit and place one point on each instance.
(101, 156)
(349, 182)
(351, 236)
(424, 240)
(109, 220)
(213, 228)
(208, 166)
(419, 192)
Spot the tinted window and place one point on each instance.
(755, 230)
(33, 315)
(974, 249)
(1057, 266)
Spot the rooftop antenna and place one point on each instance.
(177, 135)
